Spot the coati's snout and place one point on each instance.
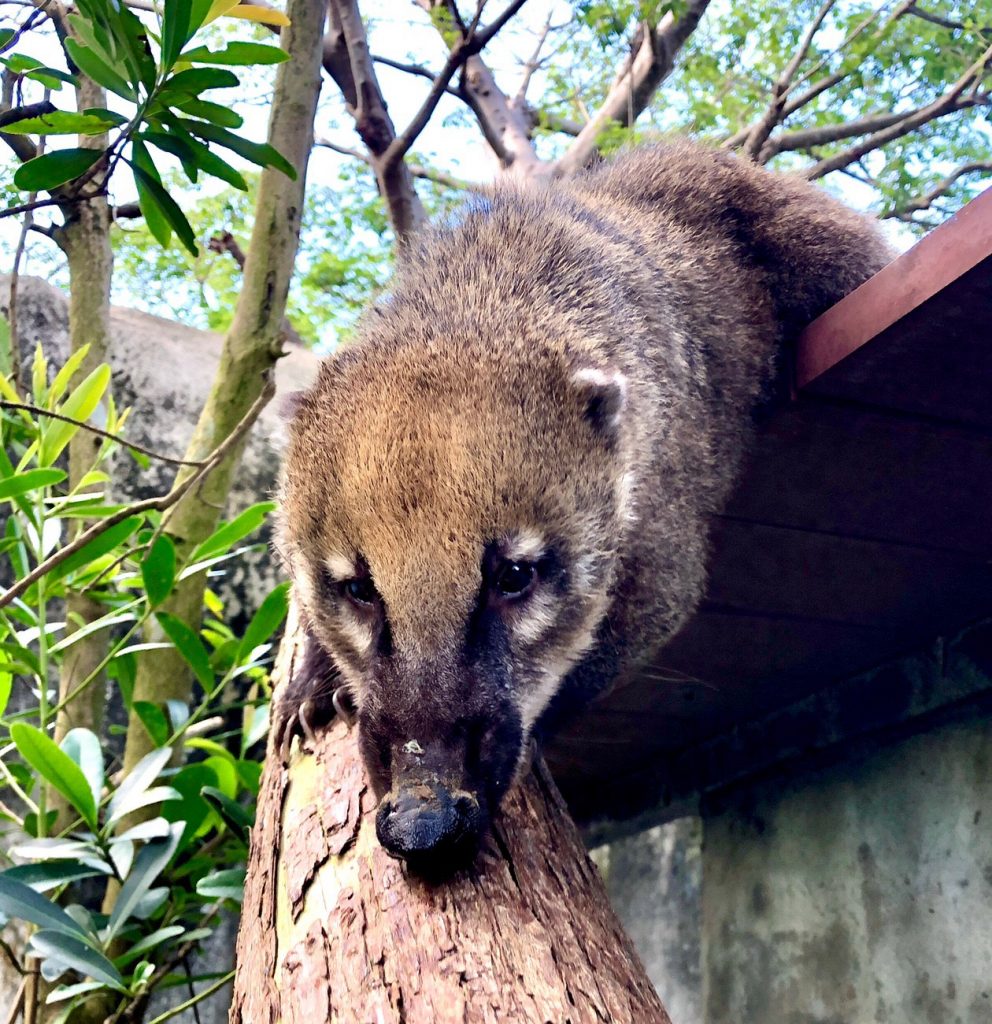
(437, 796)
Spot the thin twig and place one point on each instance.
(159, 504)
(927, 200)
(39, 411)
(219, 984)
(15, 1006)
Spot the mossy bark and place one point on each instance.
(333, 929)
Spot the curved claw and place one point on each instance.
(303, 716)
(342, 710)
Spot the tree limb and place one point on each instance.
(83, 425)
(650, 63)
(807, 138)
(347, 60)
(417, 170)
(158, 504)
(775, 112)
(927, 200)
(941, 106)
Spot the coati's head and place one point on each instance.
(450, 517)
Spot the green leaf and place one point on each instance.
(57, 767)
(6, 685)
(193, 153)
(51, 874)
(190, 808)
(99, 545)
(193, 81)
(158, 569)
(155, 194)
(34, 69)
(212, 112)
(65, 374)
(237, 818)
(50, 170)
(227, 535)
(80, 405)
(237, 54)
(21, 901)
(93, 66)
(148, 865)
(61, 122)
(80, 957)
(150, 942)
(265, 621)
(154, 721)
(226, 885)
(33, 479)
(83, 747)
(155, 217)
(136, 783)
(190, 646)
(258, 153)
(175, 29)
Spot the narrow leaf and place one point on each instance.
(83, 747)
(265, 621)
(80, 405)
(260, 153)
(230, 533)
(237, 54)
(61, 122)
(32, 480)
(168, 207)
(79, 957)
(99, 545)
(190, 646)
(94, 67)
(154, 721)
(148, 865)
(21, 901)
(57, 767)
(158, 569)
(141, 776)
(50, 170)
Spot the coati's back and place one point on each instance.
(496, 499)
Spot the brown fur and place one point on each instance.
(456, 422)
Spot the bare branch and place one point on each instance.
(936, 19)
(808, 138)
(650, 63)
(944, 186)
(22, 146)
(531, 65)
(83, 425)
(775, 112)
(348, 62)
(417, 170)
(158, 504)
(941, 106)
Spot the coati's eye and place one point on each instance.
(514, 579)
(360, 591)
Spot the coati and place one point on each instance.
(496, 498)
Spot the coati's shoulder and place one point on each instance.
(812, 248)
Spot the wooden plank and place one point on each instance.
(865, 474)
(935, 362)
(931, 265)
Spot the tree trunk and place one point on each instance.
(333, 929)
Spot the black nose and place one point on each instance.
(432, 830)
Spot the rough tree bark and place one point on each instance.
(333, 929)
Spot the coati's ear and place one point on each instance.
(603, 394)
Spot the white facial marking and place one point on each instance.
(341, 567)
(358, 634)
(525, 545)
(625, 496)
(605, 379)
(534, 619)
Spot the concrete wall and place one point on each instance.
(653, 879)
(859, 893)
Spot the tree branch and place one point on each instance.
(417, 170)
(942, 105)
(775, 113)
(348, 62)
(927, 200)
(650, 63)
(808, 138)
(158, 504)
(83, 425)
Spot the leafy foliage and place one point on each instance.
(164, 80)
(173, 838)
